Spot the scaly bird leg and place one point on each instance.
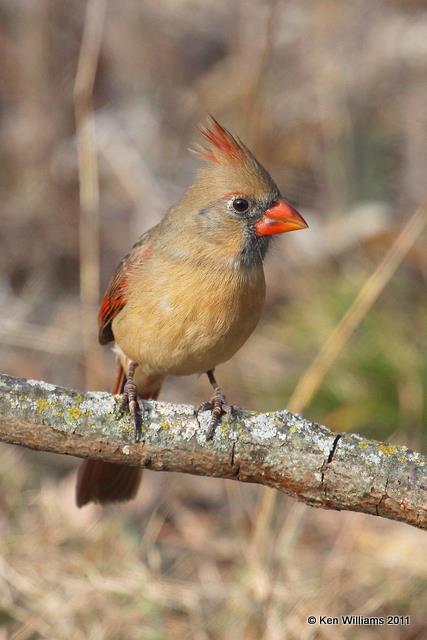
(217, 405)
(130, 399)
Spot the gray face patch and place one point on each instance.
(255, 248)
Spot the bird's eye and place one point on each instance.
(240, 205)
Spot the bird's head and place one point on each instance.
(234, 202)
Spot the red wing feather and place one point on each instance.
(115, 297)
(113, 301)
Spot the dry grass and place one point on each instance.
(332, 95)
(174, 569)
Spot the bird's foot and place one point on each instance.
(217, 405)
(130, 401)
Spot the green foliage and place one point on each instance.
(377, 383)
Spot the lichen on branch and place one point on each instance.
(278, 449)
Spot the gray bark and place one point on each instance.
(279, 449)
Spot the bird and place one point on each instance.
(190, 292)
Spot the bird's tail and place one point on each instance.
(105, 482)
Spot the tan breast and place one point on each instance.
(191, 322)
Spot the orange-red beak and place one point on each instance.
(280, 218)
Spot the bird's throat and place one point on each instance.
(254, 249)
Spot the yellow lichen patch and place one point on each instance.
(226, 427)
(42, 404)
(125, 428)
(74, 413)
(363, 444)
(388, 449)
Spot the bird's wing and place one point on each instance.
(116, 295)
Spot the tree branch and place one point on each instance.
(281, 450)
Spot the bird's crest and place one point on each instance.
(223, 148)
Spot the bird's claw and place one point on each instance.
(130, 401)
(217, 405)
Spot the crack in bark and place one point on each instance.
(334, 446)
(233, 447)
(327, 462)
(383, 497)
(196, 415)
(235, 467)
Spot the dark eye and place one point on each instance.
(241, 205)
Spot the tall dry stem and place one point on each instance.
(88, 178)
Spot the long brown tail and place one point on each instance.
(106, 482)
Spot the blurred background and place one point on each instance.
(99, 103)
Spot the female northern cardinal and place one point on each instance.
(191, 290)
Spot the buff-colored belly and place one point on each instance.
(192, 324)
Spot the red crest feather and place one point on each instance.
(223, 147)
